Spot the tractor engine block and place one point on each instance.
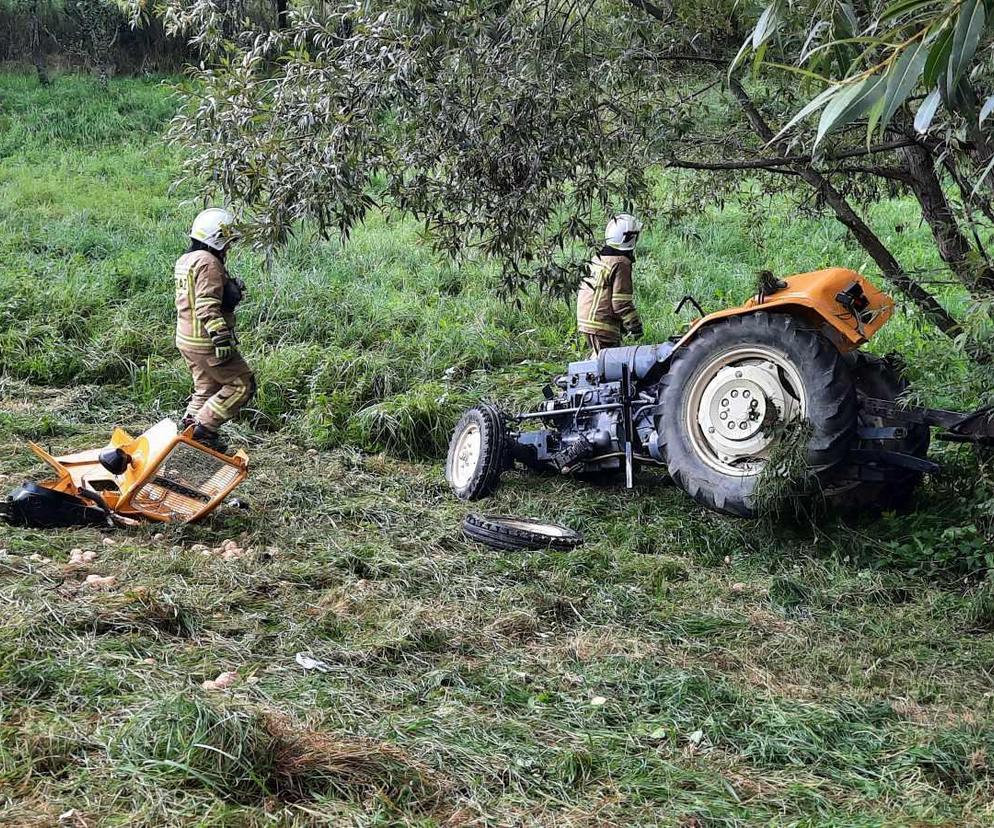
(585, 410)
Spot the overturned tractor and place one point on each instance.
(713, 405)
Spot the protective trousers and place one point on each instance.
(220, 391)
(597, 343)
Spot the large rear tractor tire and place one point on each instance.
(478, 453)
(877, 377)
(728, 395)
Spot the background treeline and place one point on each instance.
(100, 36)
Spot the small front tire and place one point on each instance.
(477, 453)
(511, 533)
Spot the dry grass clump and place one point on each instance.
(244, 754)
(980, 609)
(309, 763)
(140, 610)
(416, 423)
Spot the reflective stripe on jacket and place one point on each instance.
(200, 279)
(605, 303)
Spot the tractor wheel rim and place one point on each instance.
(735, 401)
(466, 456)
(552, 530)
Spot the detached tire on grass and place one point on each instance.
(477, 453)
(730, 390)
(509, 533)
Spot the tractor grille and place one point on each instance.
(186, 482)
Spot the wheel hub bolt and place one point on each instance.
(731, 425)
(724, 415)
(724, 402)
(735, 393)
(746, 394)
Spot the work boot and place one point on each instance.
(210, 438)
(187, 421)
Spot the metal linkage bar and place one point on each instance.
(911, 414)
(626, 415)
(560, 412)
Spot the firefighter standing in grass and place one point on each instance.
(206, 297)
(605, 304)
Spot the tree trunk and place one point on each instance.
(34, 36)
(870, 242)
(282, 14)
(954, 248)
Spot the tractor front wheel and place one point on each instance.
(731, 390)
(477, 453)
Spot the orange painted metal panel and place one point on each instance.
(812, 295)
(170, 477)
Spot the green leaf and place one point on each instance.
(816, 29)
(765, 26)
(901, 79)
(986, 109)
(903, 7)
(848, 104)
(811, 107)
(757, 59)
(743, 51)
(873, 118)
(983, 176)
(938, 57)
(797, 70)
(926, 112)
(847, 17)
(969, 27)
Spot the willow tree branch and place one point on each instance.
(653, 10)
(870, 242)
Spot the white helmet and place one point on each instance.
(622, 232)
(215, 228)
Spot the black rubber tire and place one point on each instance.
(504, 532)
(493, 458)
(877, 377)
(830, 403)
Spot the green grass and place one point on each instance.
(772, 673)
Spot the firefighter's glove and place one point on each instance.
(224, 344)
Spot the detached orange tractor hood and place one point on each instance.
(161, 475)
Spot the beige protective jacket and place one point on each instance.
(200, 280)
(605, 303)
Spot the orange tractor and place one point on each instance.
(712, 405)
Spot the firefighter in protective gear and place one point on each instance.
(605, 304)
(206, 297)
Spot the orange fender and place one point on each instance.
(811, 296)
